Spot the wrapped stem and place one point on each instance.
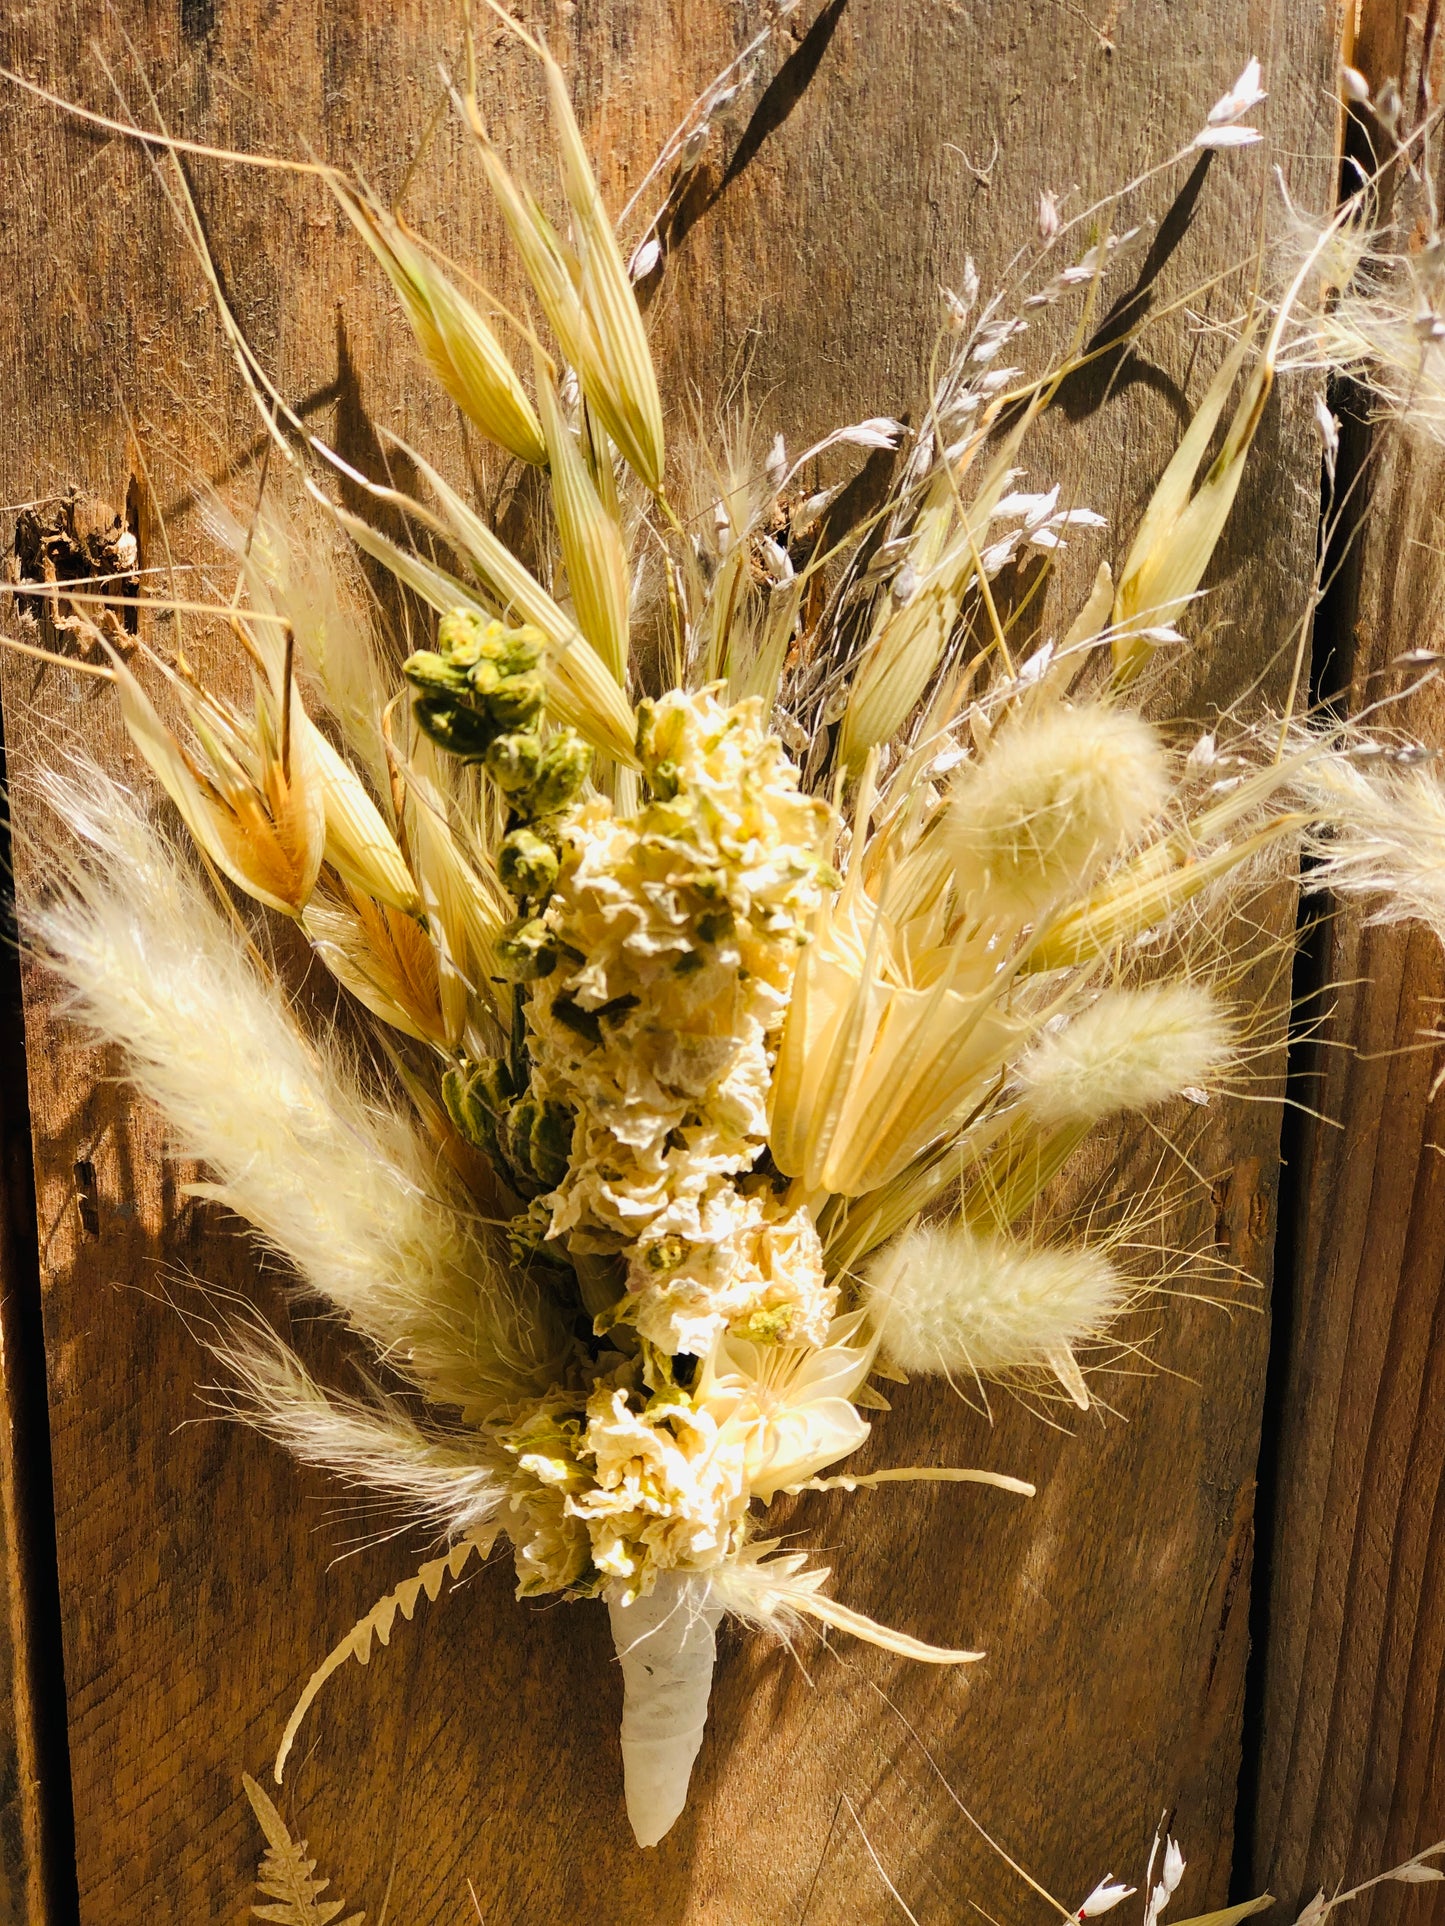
(666, 1643)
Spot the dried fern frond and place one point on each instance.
(286, 1877)
(377, 1626)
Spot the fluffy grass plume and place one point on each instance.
(1128, 1051)
(339, 1181)
(1055, 796)
(947, 1300)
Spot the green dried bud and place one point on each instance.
(475, 643)
(561, 774)
(475, 1099)
(527, 950)
(513, 760)
(536, 1140)
(666, 781)
(528, 1242)
(516, 701)
(770, 1326)
(453, 727)
(481, 680)
(527, 865)
(435, 674)
(667, 1253)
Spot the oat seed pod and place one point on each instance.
(615, 365)
(908, 639)
(592, 544)
(359, 845)
(1182, 526)
(464, 352)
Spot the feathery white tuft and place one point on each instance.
(443, 1479)
(339, 1181)
(1052, 800)
(945, 1299)
(1386, 838)
(1129, 1050)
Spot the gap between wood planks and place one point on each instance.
(40, 1863)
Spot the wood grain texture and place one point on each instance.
(198, 1566)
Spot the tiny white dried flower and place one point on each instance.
(1416, 1874)
(1354, 86)
(1244, 94)
(997, 378)
(1329, 428)
(957, 311)
(777, 464)
(1329, 432)
(992, 338)
(905, 584)
(998, 555)
(776, 560)
(1033, 669)
(1315, 1911)
(880, 431)
(1048, 216)
(1087, 266)
(1173, 1870)
(1214, 137)
(1033, 509)
(1105, 1897)
(1203, 755)
(645, 258)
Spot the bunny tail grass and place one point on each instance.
(336, 1179)
(667, 1646)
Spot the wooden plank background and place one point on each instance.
(198, 1573)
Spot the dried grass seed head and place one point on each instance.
(946, 1300)
(1129, 1050)
(1053, 798)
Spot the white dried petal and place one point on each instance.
(645, 258)
(1105, 1897)
(1244, 94)
(1214, 137)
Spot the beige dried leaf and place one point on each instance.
(592, 544)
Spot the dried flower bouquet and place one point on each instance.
(735, 1030)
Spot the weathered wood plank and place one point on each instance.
(196, 1563)
(1351, 1775)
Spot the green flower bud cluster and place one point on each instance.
(527, 1137)
(480, 694)
(480, 681)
